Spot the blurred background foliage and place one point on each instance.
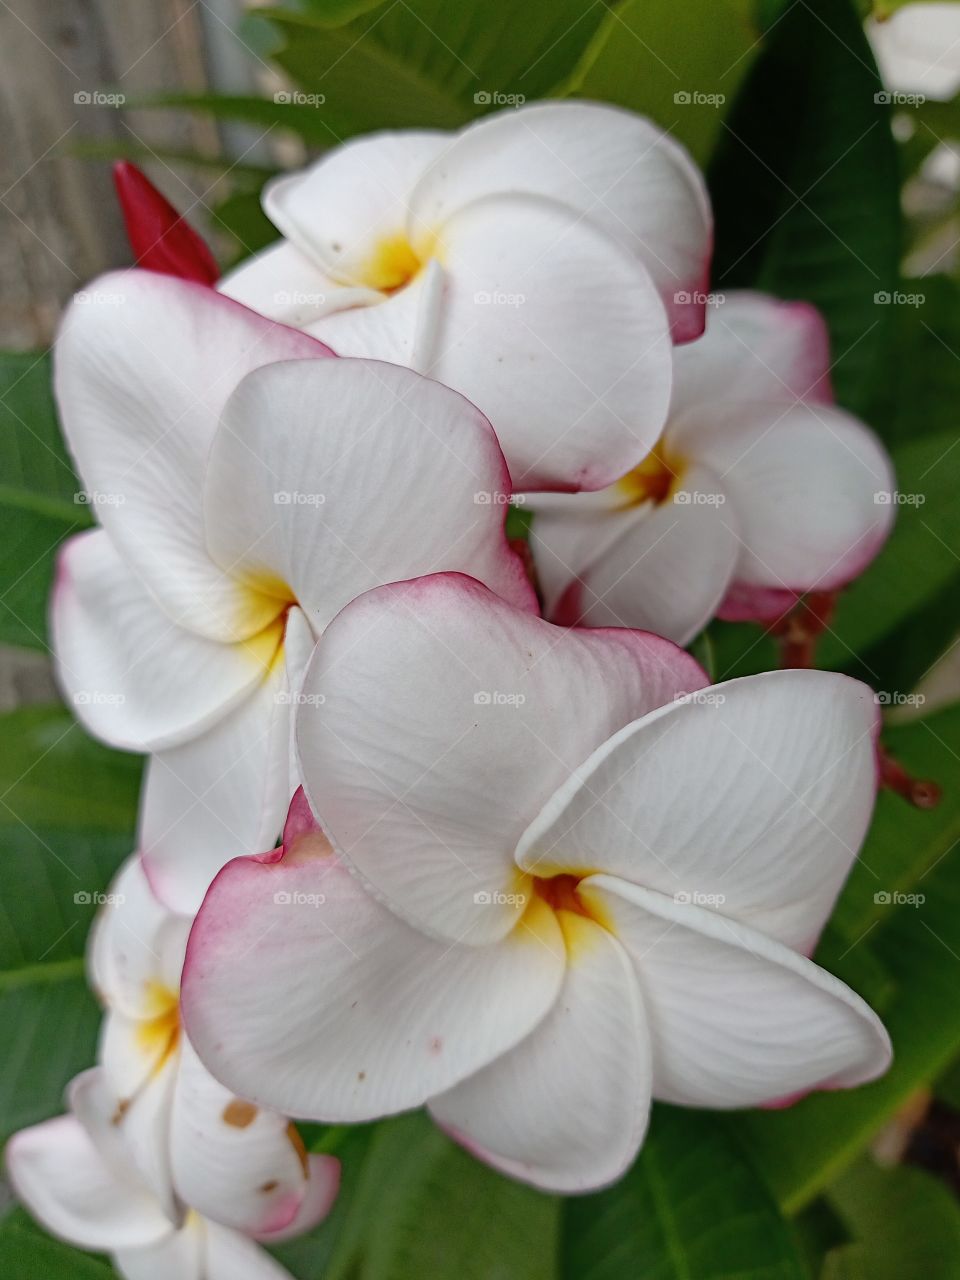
(827, 186)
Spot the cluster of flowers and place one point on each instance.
(533, 872)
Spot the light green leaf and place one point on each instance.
(692, 1208)
(27, 1254)
(67, 814)
(679, 64)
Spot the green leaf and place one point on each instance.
(679, 64)
(916, 941)
(437, 1213)
(804, 152)
(67, 817)
(27, 1254)
(691, 1208)
(38, 506)
(903, 1222)
(427, 63)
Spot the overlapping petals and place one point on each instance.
(759, 490)
(537, 261)
(568, 886)
(248, 487)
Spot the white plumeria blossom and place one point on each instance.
(193, 1142)
(75, 1175)
(536, 261)
(554, 876)
(251, 485)
(759, 489)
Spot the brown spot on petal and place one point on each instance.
(239, 1114)
(436, 1044)
(269, 1186)
(361, 1076)
(122, 1107)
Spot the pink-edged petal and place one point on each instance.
(136, 947)
(236, 1163)
(566, 1109)
(447, 720)
(336, 476)
(284, 284)
(143, 366)
(374, 1017)
(611, 167)
(752, 797)
(755, 348)
(810, 486)
(346, 207)
(558, 335)
(320, 1193)
(660, 567)
(221, 795)
(59, 1174)
(744, 603)
(133, 677)
(735, 1018)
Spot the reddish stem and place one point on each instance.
(161, 239)
(922, 793)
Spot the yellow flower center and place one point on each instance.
(159, 1032)
(654, 480)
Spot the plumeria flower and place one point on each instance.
(193, 1142)
(75, 1176)
(554, 876)
(536, 261)
(759, 489)
(247, 486)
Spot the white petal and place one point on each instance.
(63, 1180)
(660, 567)
(179, 1257)
(231, 1256)
(233, 1162)
(143, 369)
(558, 335)
(810, 487)
(221, 795)
(374, 1017)
(735, 1018)
(344, 208)
(339, 475)
(612, 167)
(284, 284)
(755, 348)
(133, 677)
(447, 720)
(753, 797)
(136, 947)
(567, 1108)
